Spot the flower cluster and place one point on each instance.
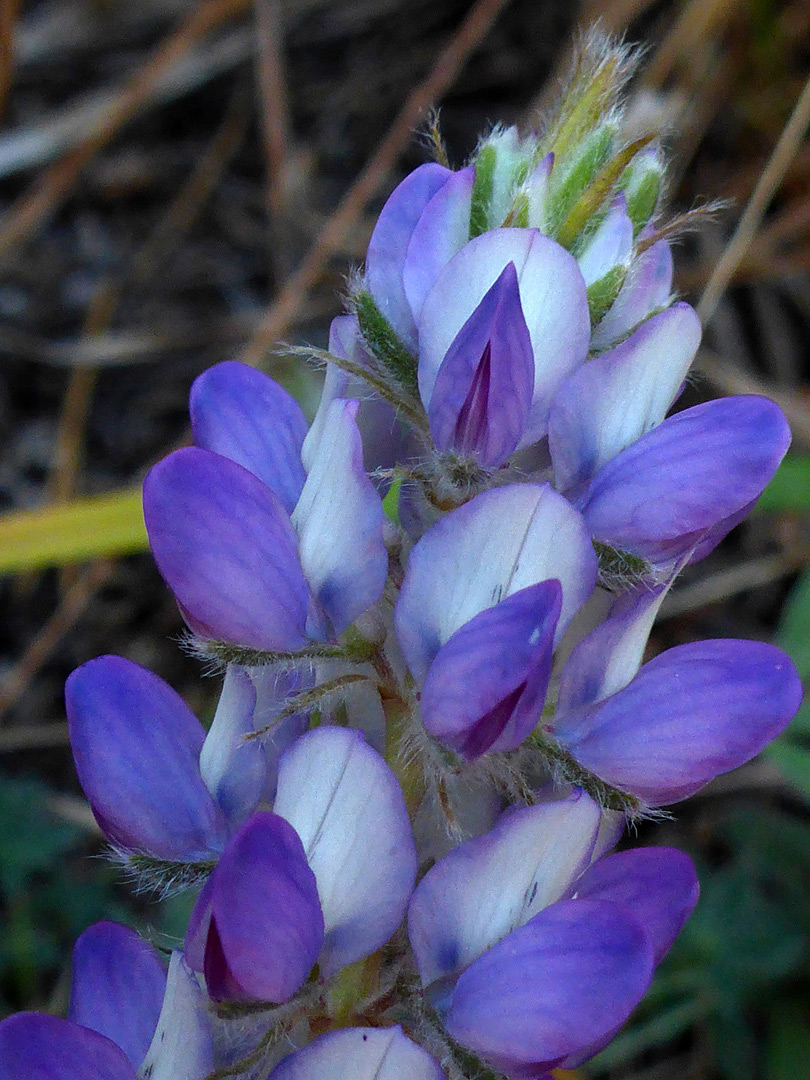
(435, 717)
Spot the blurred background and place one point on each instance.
(186, 181)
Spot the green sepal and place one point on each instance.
(564, 195)
(565, 768)
(384, 342)
(642, 199)
(620, 570)
(597, 190)
(594, 88)
(483, 185)
(603, 292)
(519, 214)
(221, 653)
(390, 503)
(146, 873)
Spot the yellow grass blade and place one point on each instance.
(89, 528)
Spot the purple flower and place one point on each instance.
(663, 731)
(264, 922)
(137, 747)
(326, 877)
(647, 288)
(243, 568)
(533, 955)
(488, 593)
(483, 392)
(542, 324)
(156, 782)
(614, 399)
(125, 1015)
(681, 487)
(468, 271)
(388, 246)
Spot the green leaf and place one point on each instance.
(790, 487)
(793, 632)
(788, 1045)
(734, 1043)
(744, 938)
(33, 840)
(793, 761)
(90, 528)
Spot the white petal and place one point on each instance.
(181, 1048)
(610, 246)
(501, 541)
(554, 301)
(234, 770)
(646, 288)
(339, 522)
(619, 396)
(360, 1054)
(347, 806)
(487, 887)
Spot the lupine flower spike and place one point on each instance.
(435, 715)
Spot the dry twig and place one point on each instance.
(746, 231)
(46, 195)
(289, 301)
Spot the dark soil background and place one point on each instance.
(166, 169)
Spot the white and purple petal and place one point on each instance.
(610, 655)
(224, 544)
(346, 804)
(339, 521)
(362, 1054)
(498, 543)
(565, 979)
(487, 684)
(483, 391)
(552, 296)
(182, 1046)
(692, 713)
(244, 415)
(266, 926)
(117, 987)
(136, 745)
(388, 246)
(234, 768)
(660, 496)
(614, 399)
(610, 245)
(647, 287)
(443, 229)
(487, 887)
